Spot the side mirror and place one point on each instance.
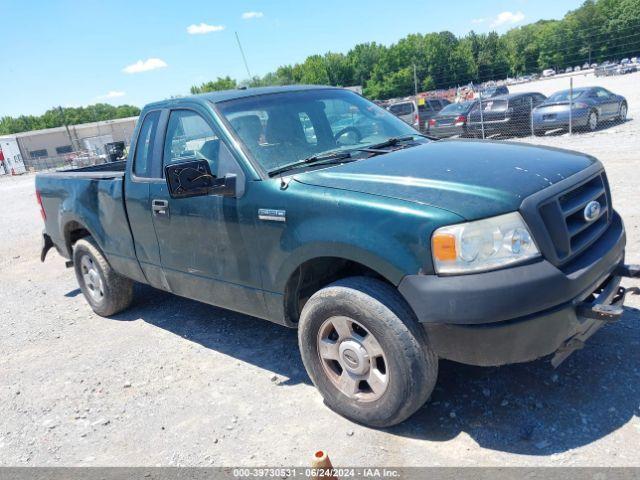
(194, 179)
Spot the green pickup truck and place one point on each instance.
(313, 208)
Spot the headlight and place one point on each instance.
(482, 245)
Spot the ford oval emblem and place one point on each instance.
(592, 211)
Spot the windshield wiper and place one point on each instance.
(390, 142)
(335, 156)
(321, 159)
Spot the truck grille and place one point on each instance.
(565, 221)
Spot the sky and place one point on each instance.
(75, 53)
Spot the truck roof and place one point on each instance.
(224, 95)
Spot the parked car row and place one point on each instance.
(609, 69)
(626, 65)
(501, 115)
(529, 113)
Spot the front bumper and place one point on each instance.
(521, 313)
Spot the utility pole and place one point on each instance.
(244, 59)
(415, 80)
(571, 106)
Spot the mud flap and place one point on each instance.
(47, 244)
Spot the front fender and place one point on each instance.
(390, 236)
(389, 270)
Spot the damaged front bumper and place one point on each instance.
(603, 306)
(559, 331)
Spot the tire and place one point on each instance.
(592, 125)
(376, 313)
(622, 117)
(106, 291)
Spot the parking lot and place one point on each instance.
(175, 382)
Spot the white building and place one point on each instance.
(50, 148)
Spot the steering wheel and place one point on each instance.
(357, 135)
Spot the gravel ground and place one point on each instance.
(176, 382)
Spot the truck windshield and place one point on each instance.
(282, 128)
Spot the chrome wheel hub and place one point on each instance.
(623, 113)
(352, 359)
(593, 121)
(92, 278)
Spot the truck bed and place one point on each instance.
(102, 171)
(92, 199)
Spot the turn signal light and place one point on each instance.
(444, 247)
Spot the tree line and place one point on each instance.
(598, 30)
(57, 117)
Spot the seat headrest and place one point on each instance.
(210, 149)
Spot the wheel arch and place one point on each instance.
(72, 231)
(317, 272)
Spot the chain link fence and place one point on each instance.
(68, 161)
(546, 107)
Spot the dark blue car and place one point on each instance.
(587, 108)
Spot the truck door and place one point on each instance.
(146, 152)
(203, 240)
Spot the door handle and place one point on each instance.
(160, 207)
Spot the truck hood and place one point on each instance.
(473, 179)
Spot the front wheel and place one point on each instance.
(366, 353)
(106, 291)
(622, 117)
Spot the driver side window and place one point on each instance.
(189, 137)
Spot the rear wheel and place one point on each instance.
(366, 353)
(105, 290)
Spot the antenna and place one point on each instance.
(244, 59)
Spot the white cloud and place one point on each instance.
(476, 21)
(145, 65)
(112, 94)
(507, 18)
(203, 28)
(250, 15)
